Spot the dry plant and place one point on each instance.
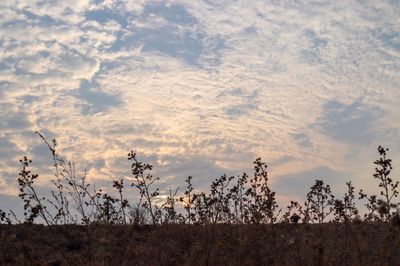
(233, 211)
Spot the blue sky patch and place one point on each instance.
(97, 101)
(349, 123)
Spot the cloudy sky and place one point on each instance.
(201, 88)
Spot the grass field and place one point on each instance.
(281, 244)
(236, 222)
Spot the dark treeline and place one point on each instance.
(246, 202)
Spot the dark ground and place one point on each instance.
(282, 244)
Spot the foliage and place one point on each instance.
(380, 208)
(319, 202)
(231, 201)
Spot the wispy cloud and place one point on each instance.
(200, 87)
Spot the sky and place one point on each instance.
(201, 88)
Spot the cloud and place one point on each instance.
(12, 203)
(298, 184)
(106, 15)
(350, 123)
(200, 87)
(17, 120)
(166, 29)
(97, 101)
(302, 139)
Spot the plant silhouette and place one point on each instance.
(234, 209)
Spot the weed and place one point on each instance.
(235, 211)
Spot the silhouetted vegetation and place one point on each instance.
(237, 222)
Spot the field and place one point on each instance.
(236, 222)
(281, 244)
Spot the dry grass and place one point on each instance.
(223, 244)
(238, 222)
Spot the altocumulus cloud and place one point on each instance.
(201, 87)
